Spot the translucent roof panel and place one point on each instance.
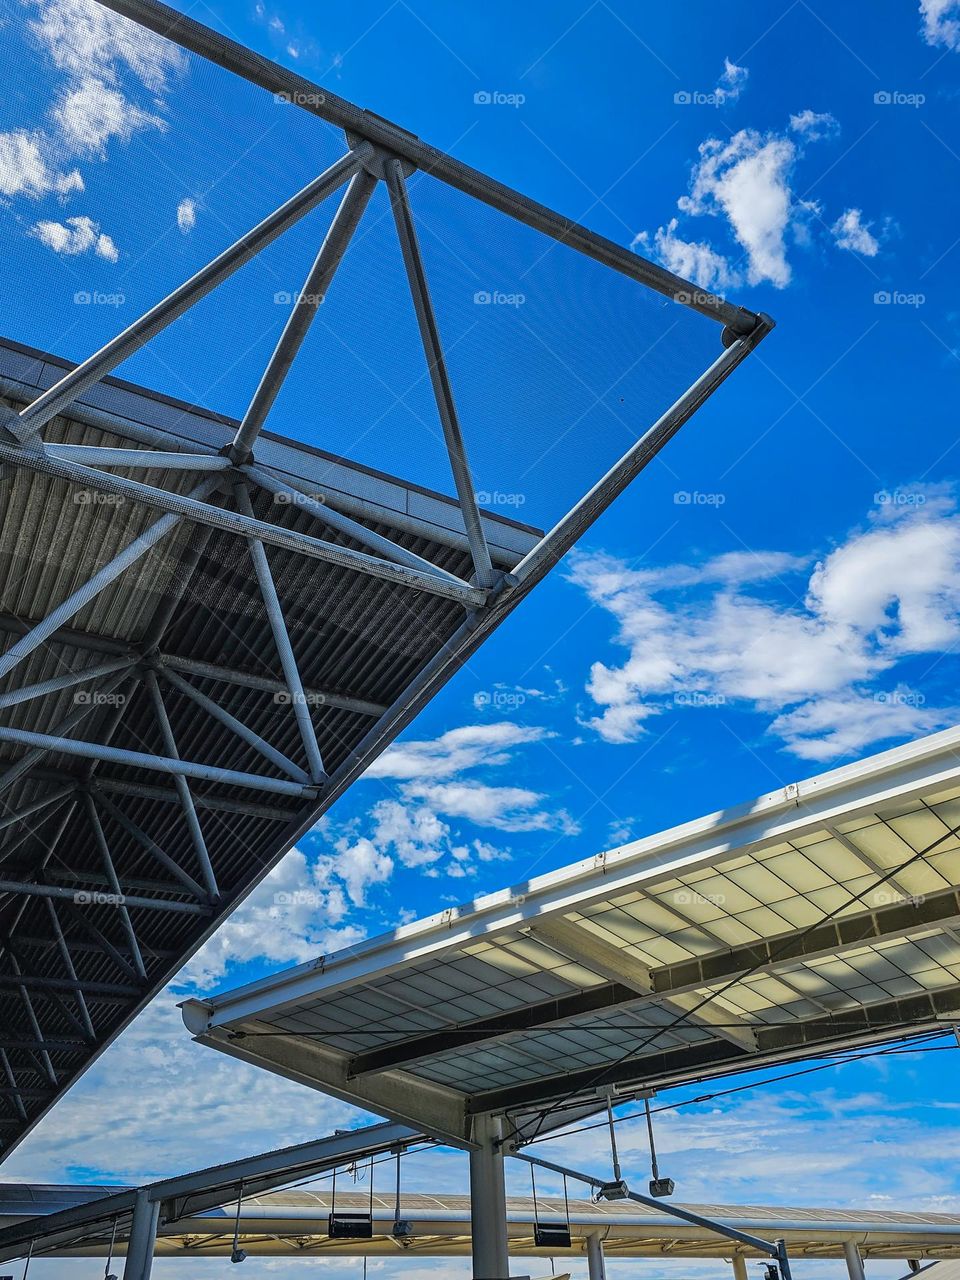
(816, 919)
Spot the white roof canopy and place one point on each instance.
(816, 918)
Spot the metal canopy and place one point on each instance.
(294, 1224)
(817, 918)
(209, 631)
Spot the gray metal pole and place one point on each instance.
(565, 533)
(319, 101)
(143, 760)
(596, 1268)
(488, 1203)
(143, 1237)
(439, 377)
(344, 224)
(281, 638)
(234, 522)
(46, 406)
(854, 1261)
(100, 580)
(374, 541)
(216, 712)
(739, 1266)
(27, 692)
(91, 455)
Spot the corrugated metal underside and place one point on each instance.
(352, 634)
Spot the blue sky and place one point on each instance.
(779, 593)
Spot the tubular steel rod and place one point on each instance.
(564, 534)
(67, 958)
(281, 638)
(27, 810)
(22, 766)
(234, 522)
(34, 1023)
(46, 406)
(439, 376)
(671, 1210)
(265, 684)
(375, 541)
(183, 790)
(319, 101)
(118, 893)
(213, 709)
(94, 897)
(336, 241)
(64, 611)
(94, 456)
(151, 846)
(28, 692)
(143, 760)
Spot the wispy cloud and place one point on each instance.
(74, 236)
(821, 670)
(941, 22)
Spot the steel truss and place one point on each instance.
(226, 483)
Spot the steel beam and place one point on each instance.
(266, 684)
(94, 897)
(46, 406)
(43, 742)
(91, 455)
(281, 638)
(108, 991)
(75, 987)
(244, 732)
(183, 790)
(109, 573)
(143, 1237)
(188, 507)
(320, 101)
(353, 528)
(596, 1267)
(58, 683)
(147, 842)
(439, 376)
(570, 528)
(335, 244)
(28, 810)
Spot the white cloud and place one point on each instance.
(455, 751)
(941, 22)
(692, 259)
(90, 113)
(295, 914)
(818, 668)
(76, 235)
(24, 170)
(732, 82)
(850, 232)
(187, 215)
(747, 178)
(83, 38)
(814, 125)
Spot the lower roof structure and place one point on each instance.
(817, 918)
(295, 1224)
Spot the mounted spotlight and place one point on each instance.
(402, 1229)
(551, 1235)
(771, 1271)
(350, 1226)
(661, 1187)
(238, 1255)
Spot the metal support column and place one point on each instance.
(143, 1237)
(854, 1261)
(488, 1202)
(739, 1266)
(596, 1267)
